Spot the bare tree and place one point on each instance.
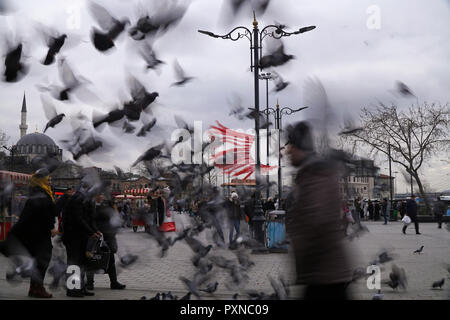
(414, 135)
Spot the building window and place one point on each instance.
(365, 188)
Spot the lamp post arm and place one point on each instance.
(288, 111)
(232, 35)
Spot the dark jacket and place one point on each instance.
(314, 225)
(78, 217)
(36, 220)
(411, 208)
(234, 210)
(103, 218)
(440, 208)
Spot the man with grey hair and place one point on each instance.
(313, 221)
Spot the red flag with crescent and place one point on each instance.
(237, 160)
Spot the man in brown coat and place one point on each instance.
(314, 223)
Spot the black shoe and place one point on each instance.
(75, 293)
(88, 293)
(89, 286)
(418, 233)
(117, 286)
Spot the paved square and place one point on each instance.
(151, 274)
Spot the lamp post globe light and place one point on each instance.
(255, 37)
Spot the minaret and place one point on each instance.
(23, 124)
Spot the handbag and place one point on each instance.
(97, 254)
(406, 220)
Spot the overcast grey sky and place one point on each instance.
(357, 64)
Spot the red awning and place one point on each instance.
(141, 191)
(15, 177)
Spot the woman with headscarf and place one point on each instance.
(32, 234)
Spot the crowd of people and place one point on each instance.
(314, 227)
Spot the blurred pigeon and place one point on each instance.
(192, 285)
(141, 99)
(127, 127)
(112, 116)
(349, 127)
(236, 107)
(54, 42)
(419, 251)
(166, 16)
(280, 84)
(156, 297)
(146, 128)
(244, 259)
(197, 246)
(5, 7)
(163, 242)
(397, 278)
(180, 75)
(128, 259)
(235, 296)
(275, 58)
(112, 28)
(70, 84)
(143, 298)
(87, 147)
(149, 56)
(149, 155)
(187, 296)
(50, 113)
(404, 89)
(438, 284)
(211, 287)
(143, 26)
(15, 69)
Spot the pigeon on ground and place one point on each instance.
(438, 284)
(128, 259)
(419, 251)
(156, 297)
(187, 296)
(211, 287)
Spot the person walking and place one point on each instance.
(104, 216)
(234, 215)
(31, 235)
(411, 211)
(439, 209)
(403, 209)
(370, 209)
(377, 211)
(384, 208)
(313, 223)
(79, 225)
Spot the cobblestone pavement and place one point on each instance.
(152, 274)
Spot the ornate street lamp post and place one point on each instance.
(278, 115)
(267, 76)
(255, 37)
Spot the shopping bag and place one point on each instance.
(97, 254)
(406, 220)
(349, 217)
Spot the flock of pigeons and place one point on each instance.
(146, 29)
